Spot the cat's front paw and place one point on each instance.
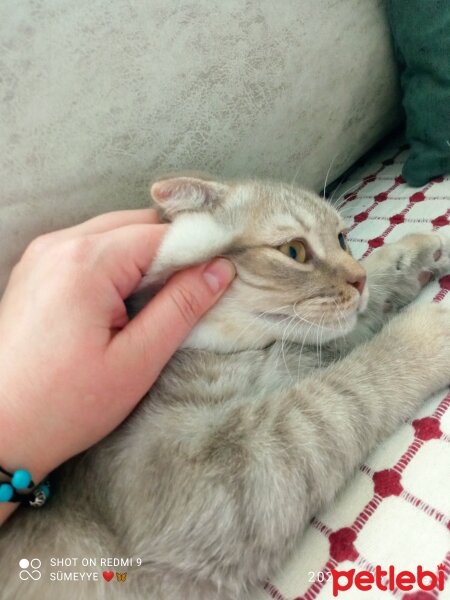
(422, 253)
(398, 271)
(442, 255)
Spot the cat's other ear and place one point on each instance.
(182, 194)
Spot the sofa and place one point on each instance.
(98, 97)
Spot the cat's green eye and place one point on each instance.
(295, 249)
(342, 241)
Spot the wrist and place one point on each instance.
(22, 444)
(18, 450)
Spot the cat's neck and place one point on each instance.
(231, 331)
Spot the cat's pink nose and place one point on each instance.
(359, 283)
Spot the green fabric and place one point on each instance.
(421, 31)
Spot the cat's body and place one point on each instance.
(258, 421)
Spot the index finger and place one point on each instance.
(126, 253)
(109, 221)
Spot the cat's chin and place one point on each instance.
(336, 330)
(226, 335)
(318, 333)
(340, 326)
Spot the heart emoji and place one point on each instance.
(108, 575)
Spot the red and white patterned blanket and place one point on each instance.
(396, 510)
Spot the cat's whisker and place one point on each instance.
(326, 177)
(300, 316)
(341, 326)
(347, 190)
(255, 319)
(280, 346)
(335, 203)
(339, 323)
(296, 175)
(320, 330)
(343, 180)
(283, 339)
(317, 342)
(264, 332)
(301, 352)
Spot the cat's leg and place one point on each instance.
(238, 481)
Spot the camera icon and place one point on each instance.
(30, 569)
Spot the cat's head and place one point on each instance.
(296, 279)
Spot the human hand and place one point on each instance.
(71, 365)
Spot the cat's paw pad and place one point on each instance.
(425, 277)
(441, 256)
(436, 261)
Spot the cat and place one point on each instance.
(275, 398)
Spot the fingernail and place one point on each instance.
(219, 274)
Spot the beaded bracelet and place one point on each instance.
(21, 488)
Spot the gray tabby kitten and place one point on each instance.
(274, 400)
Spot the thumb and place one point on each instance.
(152, 337)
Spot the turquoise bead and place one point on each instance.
(45, 489)
(6, 492)
(21, 479)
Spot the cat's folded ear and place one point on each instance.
(183, 194)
